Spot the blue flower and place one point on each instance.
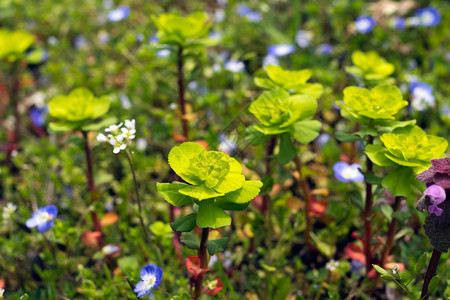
(365, 24)
(37, 115)
(270, 60)
(281, 50)
(325, 49)
(234, 66)
(348, 173)
(303, 38)
(422, 95)
(245, 11)
(164, 53)
(429, 16)
(80, 42)
(151, 277)
(43, 218)
(119, 14)
(398, 23)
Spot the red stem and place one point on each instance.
(202, 253)
(391, 232)
(432, 267)
(368, 216)
(181, 97)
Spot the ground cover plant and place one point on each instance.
(260, 149)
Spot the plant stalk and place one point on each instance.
(391, 232)
(307, 195)
(203, 255)
(181, 94)
(367, 216)
(432, 267)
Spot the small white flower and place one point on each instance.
(141, 144)
(2, 291)
(332, 265)
(395, 269)
(117, 143)
(101, 138)
(8, 211)
(110, 249)
(130, 124)
(128, 134)
(114, 129)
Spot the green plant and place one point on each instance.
(370, 66)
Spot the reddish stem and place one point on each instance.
(368, 215)
(307, 195)
(391, 232)
(432, 267)
(202, 253)
(181, 96)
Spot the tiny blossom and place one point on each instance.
(215, 35)
(219, 15)
(348, 173)
(398, 23)
(422, 94)
(437, 196)
(114, 129)
(270, 60)
(332, 265)
(281, 50)
(119, 14)
(395, 269)
(110, 249)
(141, 144)
(130, 124)
(103, 37)
(325, 49)
(226, 145)
(303, 38)
(164, 53)
(2, 291)
(43, 218)
(151, 277)
(8, 211)
(125, 101)
(234, 66)
(80, 42)
(364, 24)
(140, 37)
(102, 138)
(428, 16)
(117, 143)
(128, 133)
(38, 115)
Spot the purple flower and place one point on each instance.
(281, 50)
(151, 277)
(119, 14)
(429, 16)
(438, 173)
(325, 49)
(398, 23)
(437, 196)
(348, 173)
(245, 11)
(37, 115)
(43, 218)
(364, 24)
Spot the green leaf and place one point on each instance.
(180, 160)
(421, 263)
(190, 240)
(282, 288)
(401, 215)
(216, 246)
(250, 189)
(398, 182)
(377, 154)
(225, 205)
(171, 193)
(433, 284)
(14, 44)
(314, 90)
(287, 150)
(366, 131)
(254, 136)
(306, 131)
(185, 224)
(99, 125)
(264, 83)
(323, 247)
(389, 125)
(388, 277)
(346, 137)
(24, 297)
(211, 215)
(199, 192)
(387, 211)
(379, 269)
(287, 79)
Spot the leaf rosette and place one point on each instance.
(295, 81)
(407, 146)
(13, 44)
(177, 30)
(370, 66)
(80, 110)
(279, 112)
(381, 103)
(214, 182)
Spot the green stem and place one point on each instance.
(203, 255)
(141, 212)
(432, 267)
